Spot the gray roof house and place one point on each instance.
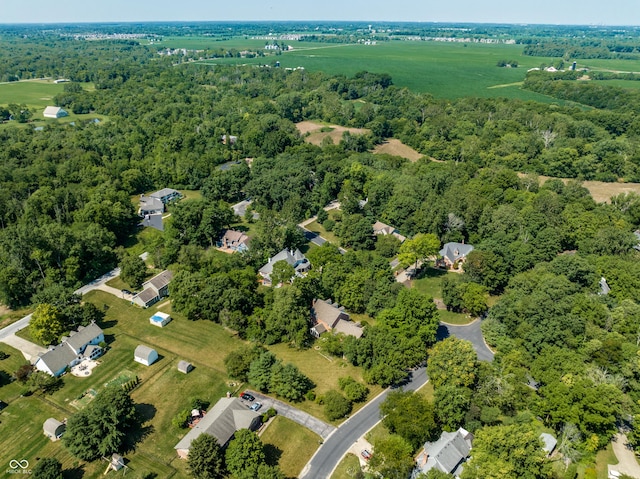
(453, 253)
(295, 258)
(447, 454)
(154, 290)
(166, 195)
(53, 429)
(150, 206)
(81, 344)
(226, 417)
(327, 316)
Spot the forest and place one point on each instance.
(567, 351)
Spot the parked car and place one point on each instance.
(247, 397)
(255, 406)
(366, 455)
(126, 291)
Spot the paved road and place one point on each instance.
(322, 429)
(470, 332)
(331, 452)
(99, 283)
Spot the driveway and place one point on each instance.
(29, 350)
(471, 332)
(322, 429)
(334, 448)
(627, 462)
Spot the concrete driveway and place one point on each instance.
(322, 429)
(28, 349)
(471, 332)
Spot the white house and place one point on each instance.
(54, 112)
(145, 355)
(81, 344)
(160, 319)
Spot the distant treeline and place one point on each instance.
(591, 48)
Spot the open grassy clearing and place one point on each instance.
(395, 147)
(429, 283)
(289, 444)
(317, 132)
(10, 390)
(347, 468)
(328, 235)
(33, 93)
(600, 191)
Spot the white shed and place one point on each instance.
(53, 429)
(145, 355)
(184, 366)
(160, 319)
(54, 112)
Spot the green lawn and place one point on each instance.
(377, 433)
(347, 468)
(36, 93)
(290, 445)
(323, 372)
(429, 281)
(328, 235)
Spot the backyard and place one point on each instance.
(429, 283)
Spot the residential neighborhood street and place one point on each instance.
(331, 452)
(471, 332)
(321, 428)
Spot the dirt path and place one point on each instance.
(627, 462)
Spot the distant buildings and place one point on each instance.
(233, 240)
(157, 202)
(154, 290)
(380, 228)
(329, 317)
(454, 254)
(295, 258)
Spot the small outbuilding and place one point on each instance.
(145, 355)
(549, 443)
(185, 366)
(53, 429)
(160, 319)
(117, 462)
(54, 112)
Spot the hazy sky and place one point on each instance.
(609, 12)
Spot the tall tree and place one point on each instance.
(46, 324)
(206, 458)
(452, 361)
(419, 248)
(244, 454)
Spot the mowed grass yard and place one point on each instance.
(289, 445)
(429, 283)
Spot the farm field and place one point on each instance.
(33, 93)
(445, 70)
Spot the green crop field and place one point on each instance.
(35, 94)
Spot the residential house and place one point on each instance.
(234, 241)
(54, 112)
(167, 195)
(383, 229)
(447, 454)
(145, 355)
(226, 417)
(81, 344)
(230, 139)
(154, 290)
(150, 206)
(295, 258)
(327, 316)
(53, 429)
(454, 254)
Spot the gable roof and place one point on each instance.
(446, 453)
(454, 251)
(149, 203)
(326, 312)
(234, 237)
(79, 339)
(161, 280)
(143, 352)
(549, 442)
(57, 358)
(294, 258)
(380, 228)
(164, 192)
(53, 110)
(146, 295)
(348, 328)
(226, 417)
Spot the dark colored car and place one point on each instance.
(247, 397)
(126, 291)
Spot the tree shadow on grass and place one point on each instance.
(73, 473)
(429, 272)
(272, 454)
(136, 434)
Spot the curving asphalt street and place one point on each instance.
(331, 452)
(471, 332)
